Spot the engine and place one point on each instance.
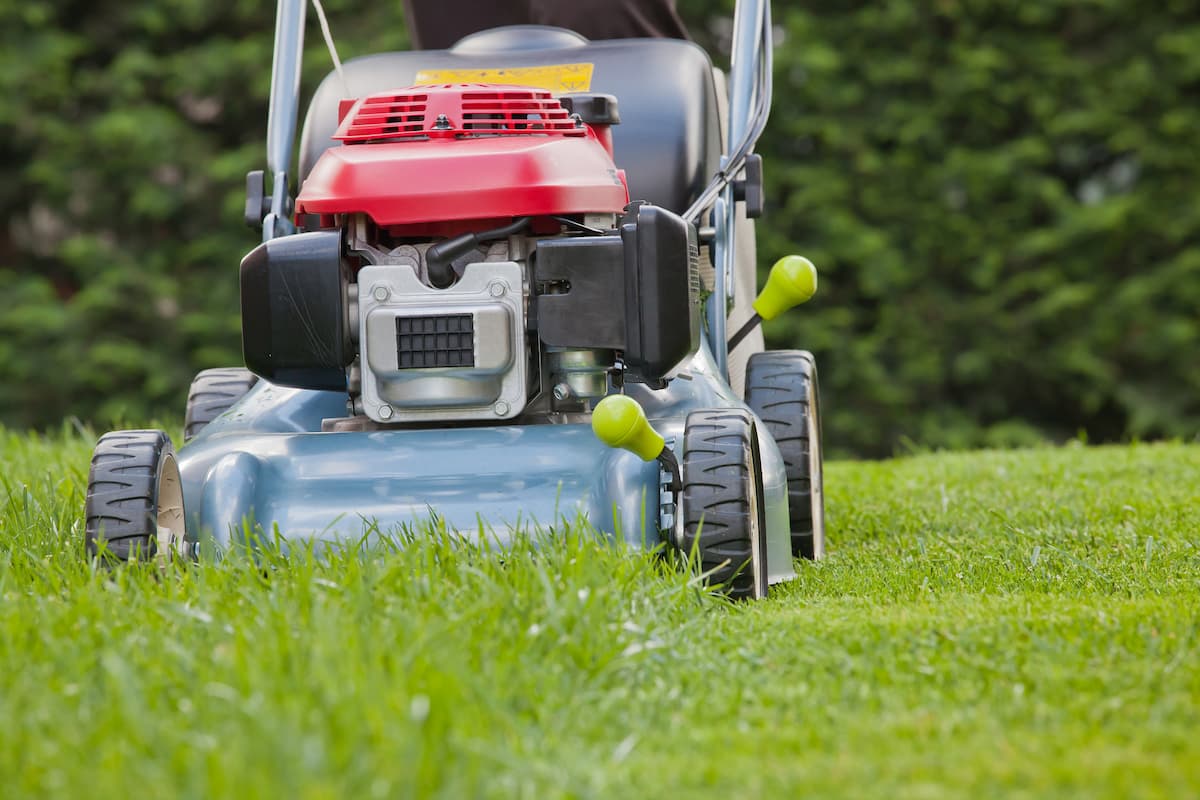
(470, 254)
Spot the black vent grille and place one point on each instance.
(435, 341)
(694, 283)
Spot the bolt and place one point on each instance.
(380, 293)
(442, 123)
(497, 289)
(385, 411)
(562, 392)
(500, 409)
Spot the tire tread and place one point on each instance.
(719, 443)
(213, 392)
(121, 510)
(777, 383)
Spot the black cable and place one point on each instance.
(439, 258)
(743, 332)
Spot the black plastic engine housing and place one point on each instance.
(294, 327)
(636, 290)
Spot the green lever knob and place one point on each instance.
(793, 280)
(619, 421)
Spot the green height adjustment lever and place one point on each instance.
(793, 280)
(619, 421)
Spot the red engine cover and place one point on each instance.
(464, 152)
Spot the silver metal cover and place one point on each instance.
(405, 326)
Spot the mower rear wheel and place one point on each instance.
(781, 388)
(724, 513)
(134, 506)
(213, 392)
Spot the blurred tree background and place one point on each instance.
(1003, 198)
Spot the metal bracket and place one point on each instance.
(668, 499)
(749, 189)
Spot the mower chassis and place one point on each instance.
(265, 467)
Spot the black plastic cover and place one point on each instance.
(294, 327)
(258, 202)
(750, 188)
(636, 290)
(592, 108)
(662, 288)
(581, 287)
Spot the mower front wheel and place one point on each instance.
(724, 513)
(213, 392)
(134, 506)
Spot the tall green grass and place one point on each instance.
(1017, 623)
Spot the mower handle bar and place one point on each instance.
(750, 87)
(283, 111)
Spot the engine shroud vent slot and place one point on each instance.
(445, 340)
(383, 117)
(456, 111)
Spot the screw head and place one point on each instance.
(562, 391)
(500, 409)
(380, 293)
(385, 411)
(497, 289)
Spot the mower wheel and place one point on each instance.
(134, 506)
(724, 515)
(213, 392)
(781, 387)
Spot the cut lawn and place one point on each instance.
(1024, 624)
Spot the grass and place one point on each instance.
(1022, 624)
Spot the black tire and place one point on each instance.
(724, 517)
(213, 392)
(781, 387)
(134, 506)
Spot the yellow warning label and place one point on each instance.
(554, 77)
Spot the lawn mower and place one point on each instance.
(502, 298)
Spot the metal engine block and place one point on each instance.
(442, 354)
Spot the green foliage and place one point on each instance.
(1019, 624)
(1001, 197)
(129, 129)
